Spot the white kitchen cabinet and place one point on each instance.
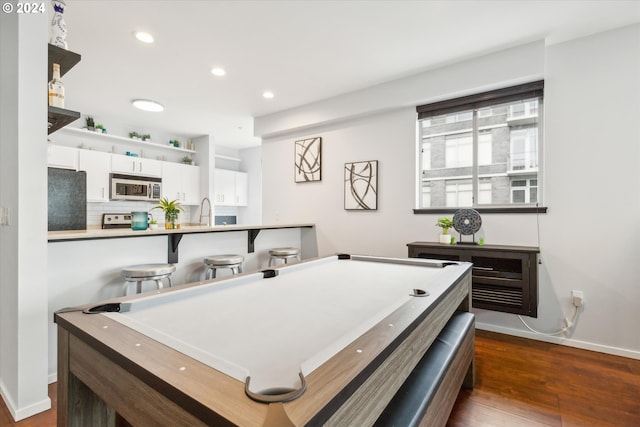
(231, 188)
(181, 182)
(62, 157)
(135, 165)
(191, 184)
(242, 188)
(97, 164)
(225, 187)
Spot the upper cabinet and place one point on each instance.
(62, 157)
(97, 165)
(231, 188)
(181, 182)
(135, 165)
(60, 117)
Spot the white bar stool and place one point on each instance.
(148, 272)
(214, 262)
(284, 254)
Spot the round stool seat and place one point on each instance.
(284, 254)
(152, 272)
(224, 259)
(214, 262)
(148, 270)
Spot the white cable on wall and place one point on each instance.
(568, 324)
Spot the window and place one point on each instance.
(458, 151)
(524, 190)
(481, 150)
(458, 193)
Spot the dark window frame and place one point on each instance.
(474, 102)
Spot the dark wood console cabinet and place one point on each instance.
(504, 278)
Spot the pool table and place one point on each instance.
(325, 341)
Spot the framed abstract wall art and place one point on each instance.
(361, 185)
(308, 160)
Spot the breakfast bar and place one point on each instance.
(174, 235)
(326, 341)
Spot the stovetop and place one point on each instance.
(116, 220)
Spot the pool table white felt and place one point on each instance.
(336, 365)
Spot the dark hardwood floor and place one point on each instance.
(519, 382)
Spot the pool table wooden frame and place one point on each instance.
(104, 381)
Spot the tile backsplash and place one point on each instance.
(95, 211)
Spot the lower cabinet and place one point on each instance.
(97, 165)
(231, 188)
(504, 278)
(181, 182)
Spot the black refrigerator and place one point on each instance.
(67, 202)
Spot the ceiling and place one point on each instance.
(302, 51)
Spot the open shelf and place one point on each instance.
(57, 118)
(107, 138)
(65, 58)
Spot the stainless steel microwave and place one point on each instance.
(131, 187)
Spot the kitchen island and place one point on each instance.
(85, 266)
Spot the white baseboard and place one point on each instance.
(22, 413)
(52, 378)
(616, 351)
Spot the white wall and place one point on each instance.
(591, 151)
(23, 191)
(252, 164)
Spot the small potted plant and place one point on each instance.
(171, 211)
(134, 135)
(90, 123)
(100, 128)
(145, 136)
(153, 224)
(445, 223)
(187, 160)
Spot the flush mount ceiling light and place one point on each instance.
(144, 37)
(268, 94)
(218, 72)
(147, 105)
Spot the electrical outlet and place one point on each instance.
(4, 216)
(577, 298)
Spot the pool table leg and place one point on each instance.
(78, 405)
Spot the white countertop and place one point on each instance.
(98, 233)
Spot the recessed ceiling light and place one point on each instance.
(268, 94)
(147, 105)
(144, 37)
(217, 71)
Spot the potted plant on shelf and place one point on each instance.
(145, 136)
(187, 160)
(445, 223)
(100, 128)
(171, 211)
(134, 135)
(90, 123)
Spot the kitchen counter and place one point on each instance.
(99, 233)
(174, 235)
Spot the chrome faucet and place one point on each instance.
(206, 199)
